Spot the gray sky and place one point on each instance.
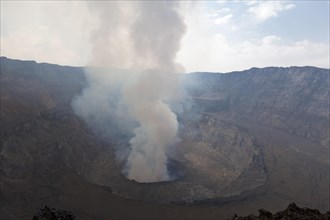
(221, 35)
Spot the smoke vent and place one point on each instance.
(142, 37)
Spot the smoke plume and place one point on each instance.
(136, 43)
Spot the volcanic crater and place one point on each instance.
(259, 134)
(213, 159)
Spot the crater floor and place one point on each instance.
(222, 160)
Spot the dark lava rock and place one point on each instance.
(48, 213)
(292, 212)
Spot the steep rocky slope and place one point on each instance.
(287, 110)
(294, 99)
(250, 139)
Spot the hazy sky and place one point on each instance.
(221, 35)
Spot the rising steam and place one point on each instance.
(142, 38)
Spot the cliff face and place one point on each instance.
(28, 87)
(36, 116)
(41, 138)
(259, 137)
(293, 99)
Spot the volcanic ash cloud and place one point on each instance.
(143, 37)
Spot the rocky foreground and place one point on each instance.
(292, 212)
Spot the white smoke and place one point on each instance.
(143, 38)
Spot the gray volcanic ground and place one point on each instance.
(250, 139)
